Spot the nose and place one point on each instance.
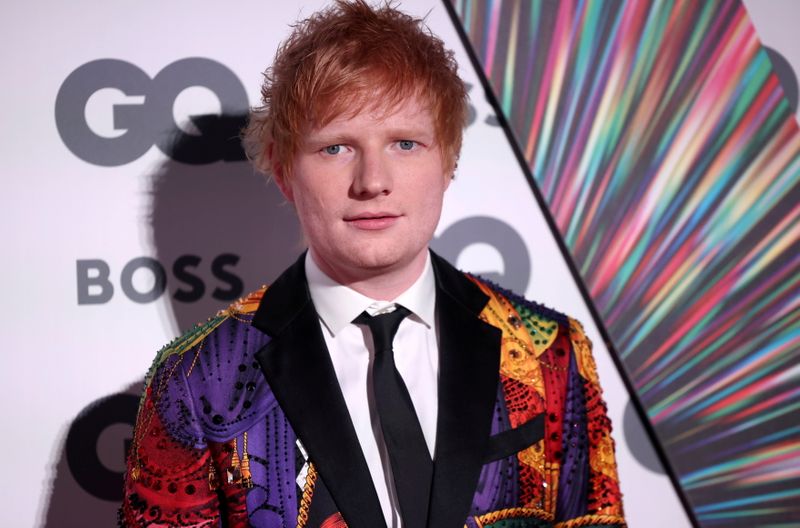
(372, 175)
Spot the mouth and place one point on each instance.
(372, 221)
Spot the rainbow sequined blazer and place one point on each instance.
(242, 423)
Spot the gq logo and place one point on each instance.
(149, 120)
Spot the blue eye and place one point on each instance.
(333, 149)
(406, 144)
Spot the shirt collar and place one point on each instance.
(337, 305)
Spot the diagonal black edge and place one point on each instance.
(513, 142)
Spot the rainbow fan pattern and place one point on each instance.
(661, 140)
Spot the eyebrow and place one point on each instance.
(336, 138)
(316, 142)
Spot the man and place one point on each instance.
(372, 384)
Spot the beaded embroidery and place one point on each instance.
(209, 430)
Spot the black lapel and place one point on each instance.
(299, 371)
(469, 362)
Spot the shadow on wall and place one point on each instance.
(219, 231)
(87, 479)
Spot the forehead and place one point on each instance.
(411, 112)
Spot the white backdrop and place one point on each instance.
(68, 214)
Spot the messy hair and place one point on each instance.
(347, 58)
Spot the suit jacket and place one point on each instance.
(242, 422)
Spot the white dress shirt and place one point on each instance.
(416, 356)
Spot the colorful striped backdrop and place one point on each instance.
(662, 142)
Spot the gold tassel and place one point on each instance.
(247, 478)
(135, 471)
(234, 473)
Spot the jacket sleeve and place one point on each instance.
(173, 472)
(594, 499)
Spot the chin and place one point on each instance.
(378, 258)
(374, 261)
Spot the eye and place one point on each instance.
(406, 144)
(332, 149)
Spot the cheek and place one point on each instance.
(429, 199)
(315, 210)
(436, 187)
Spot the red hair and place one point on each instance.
(347, 58)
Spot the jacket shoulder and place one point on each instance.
(532, 331)
(206, 384)
(180, 345)
(499, 296)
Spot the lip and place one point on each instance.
(372, 221)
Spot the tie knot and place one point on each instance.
(383, 326)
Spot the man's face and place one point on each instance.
(368, 191)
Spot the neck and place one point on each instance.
(381, 284)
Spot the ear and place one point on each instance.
(448, 177)
(279, 176)
(282, 183)
(450, 173)
(449, 167)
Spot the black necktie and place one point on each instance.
(411, 463)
